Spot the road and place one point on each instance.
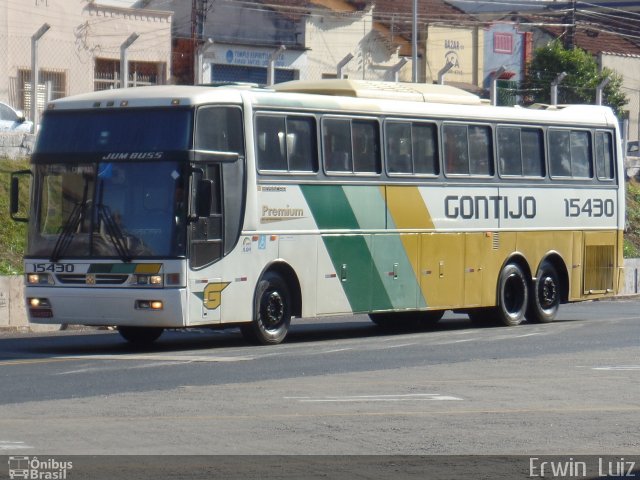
(336, 387)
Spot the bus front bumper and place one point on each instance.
(107, 306)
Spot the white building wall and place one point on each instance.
(627, 66)
(80, 32)
(331, 36)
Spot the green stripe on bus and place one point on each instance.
(350, 253)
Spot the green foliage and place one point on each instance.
(13, 235)
(632, 235)
(579, 86)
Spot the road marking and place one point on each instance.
(33, 360)
(618, 368)
(337, 350)
(9, 445)
(376, 398)
(160, 358)
(529, 335)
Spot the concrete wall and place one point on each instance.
(12, 310)
(16, 145)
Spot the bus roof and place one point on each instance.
(362, 97)
(149, 96)
(415, 92)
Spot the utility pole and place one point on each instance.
(414, 42)
(570, 38)
(198, 19)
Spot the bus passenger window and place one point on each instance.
(336, 138)
(366, 146)
(604, 155)
(509, 151)
(559, 153)
(425, 149)
(480, 150)
(456, 149)
(398, 144)
(302, 150)
(532, 152)
(271, 143)
(581, 154)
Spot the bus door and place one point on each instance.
(217, 208)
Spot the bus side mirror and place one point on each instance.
(14, 201)
(203, 198)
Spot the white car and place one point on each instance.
(12, 120)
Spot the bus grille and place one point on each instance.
(598, 268)
(82, 279)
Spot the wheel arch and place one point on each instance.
(556, 260)
(288, 274)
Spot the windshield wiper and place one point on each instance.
(70, 226)
(68, 231)
(114, 232)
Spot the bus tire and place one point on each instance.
(513, 293)
(481, 317)
(272, 312)
(430, 317)
(140, 335)
(544, 298)
(384, 320)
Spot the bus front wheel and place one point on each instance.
(140, 335)
(544, 299)
(272, 309)
(513, 295)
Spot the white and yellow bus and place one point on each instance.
(177, 206)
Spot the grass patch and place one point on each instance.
(632, 235)
(13, 235)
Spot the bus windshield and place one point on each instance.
(109, 209)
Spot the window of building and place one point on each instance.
(107, 74)
(52, 84)
(503, 42)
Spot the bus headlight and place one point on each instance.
(39, 279)
(153, 280)
(149, 305)
(39, 307)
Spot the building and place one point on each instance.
(80, 50)
(306, 39)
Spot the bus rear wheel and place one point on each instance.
(140, 335)
(513, 293)
(544, 299)
(272, 307)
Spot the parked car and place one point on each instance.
(632, 149)
(12, 120)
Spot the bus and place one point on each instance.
(168, 207)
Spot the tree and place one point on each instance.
(579, 86)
